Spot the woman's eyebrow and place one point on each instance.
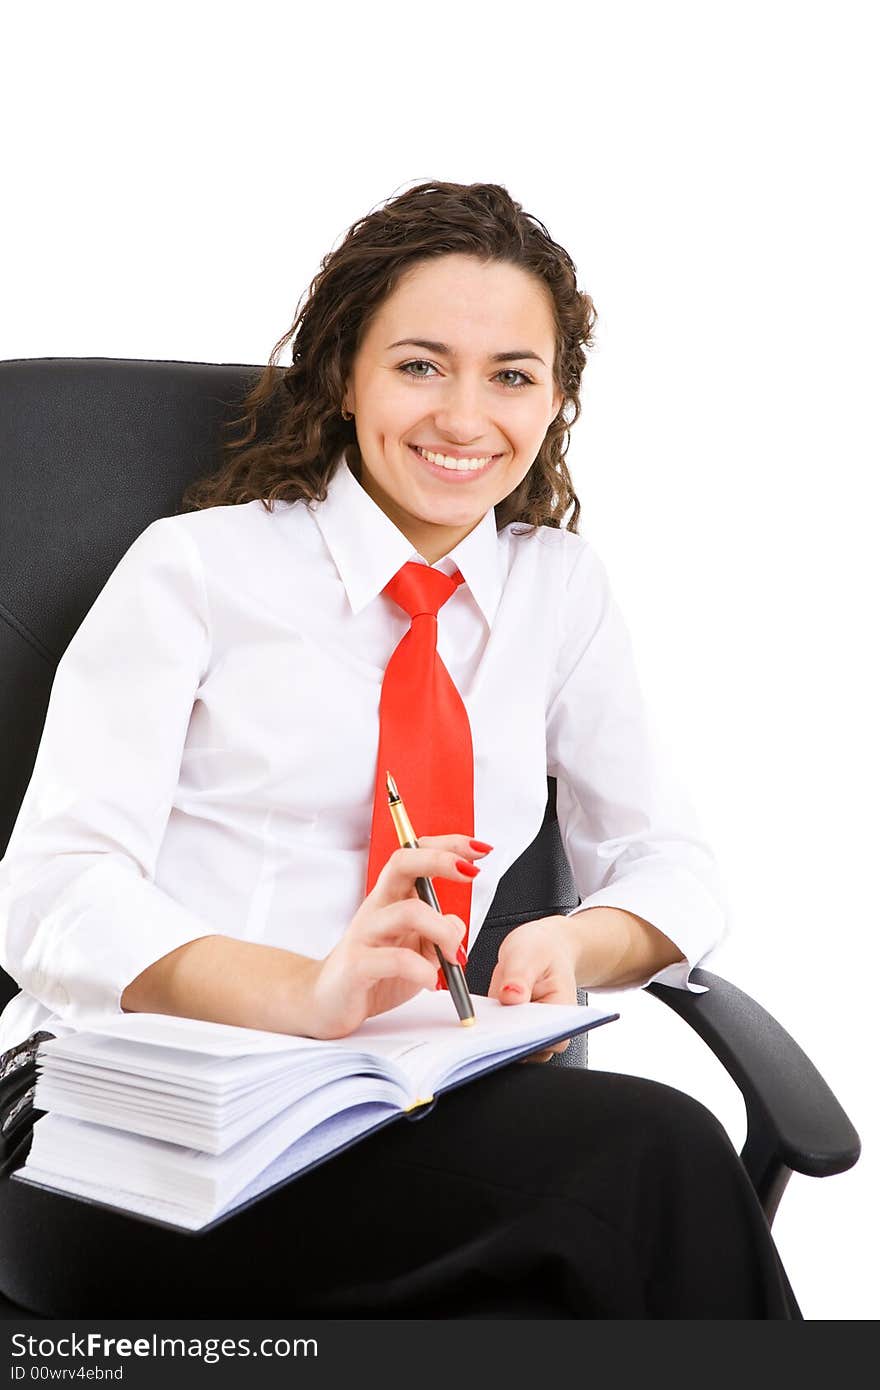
(445, 349)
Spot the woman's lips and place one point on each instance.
(454, 475)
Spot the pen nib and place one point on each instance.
(391, 787)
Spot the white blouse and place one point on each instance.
(208, 758)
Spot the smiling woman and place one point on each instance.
(479, 287)
(379, 579)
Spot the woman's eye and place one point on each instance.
(526, 380)
(404, 368)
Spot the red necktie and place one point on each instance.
(424, 738)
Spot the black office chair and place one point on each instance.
(92, 450)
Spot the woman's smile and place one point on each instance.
(454, 470)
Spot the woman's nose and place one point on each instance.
(461, 415)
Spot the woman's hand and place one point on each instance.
(387, 953)
(536, 963)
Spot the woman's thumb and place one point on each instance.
(511, 980)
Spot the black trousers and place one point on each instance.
(535, 1190)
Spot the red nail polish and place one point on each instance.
(465, 868)
(480, 846)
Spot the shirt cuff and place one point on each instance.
(677, 906)
(109, 926)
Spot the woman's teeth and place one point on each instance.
(458, 465)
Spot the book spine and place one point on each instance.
(420, 1108)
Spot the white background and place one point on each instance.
(173, 176)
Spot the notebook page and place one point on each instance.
(183, 1071)
(183, 1048)
(212, 1129)
(334, 1133)
(191, 1034)
(426, 1038)
(220, 1085)
(82, 1152)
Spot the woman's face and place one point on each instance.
(448, 393)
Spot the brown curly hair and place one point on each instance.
(293, 431)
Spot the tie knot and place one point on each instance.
(420, 589)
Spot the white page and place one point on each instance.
(188, 1034)
(186, 1073)
(54, 1092)
(426, 1042)
(324, 1139)
(429, 1010)
(100, 1081)
(427, 1020)
(454, 1063)
(170, 1047)
(154, 1168)
(212, 1133)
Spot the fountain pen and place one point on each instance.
(452, 971)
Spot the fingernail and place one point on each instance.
(465, 868)
(480, 846)
(514, 989)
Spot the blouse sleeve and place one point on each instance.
(630, 833)
(80, 915)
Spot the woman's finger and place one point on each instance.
(542, 1056)
(460, 844)
(395, 963)
(385, 926)
(399, 873)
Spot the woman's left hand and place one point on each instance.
(536, 964)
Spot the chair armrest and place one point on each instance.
(795, 1122)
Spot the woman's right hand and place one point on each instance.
(387, 953)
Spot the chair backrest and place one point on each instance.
(92, 450)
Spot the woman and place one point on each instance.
(202, 844)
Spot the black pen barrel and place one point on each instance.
(452, 971)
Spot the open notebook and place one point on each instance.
(183, 1122)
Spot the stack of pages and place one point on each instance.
(183, 1122)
